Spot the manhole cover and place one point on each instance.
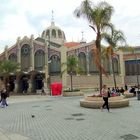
(69, 118)
(49, 100)
(80, 119)
(129, 137)
(47, 106)
(35, 106)
(77, 114)
(49, 109)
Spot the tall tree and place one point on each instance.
(7, 67)
(114, 39)
(99, 17)
(72, 68)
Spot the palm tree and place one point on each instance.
(72, 68)
(99, 17)
(7, 67)
(114, 39)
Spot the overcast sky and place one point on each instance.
(26, 17)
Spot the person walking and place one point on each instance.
(2, 86)
(4, 95)
(105, 97)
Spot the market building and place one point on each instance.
(41, 58)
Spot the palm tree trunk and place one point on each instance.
(114, 77)
(100, 72)
(71, 82)
(98, 45)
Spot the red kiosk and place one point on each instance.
(56, 89)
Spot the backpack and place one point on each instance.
(109, 94)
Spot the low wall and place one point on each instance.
(67, 94)
(84, 81)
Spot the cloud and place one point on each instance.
(20, 18)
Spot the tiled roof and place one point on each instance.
(71, 44)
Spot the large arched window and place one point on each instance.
(13, 57)
(55, 67)
(59, 34)
(92, 66)
(53, 33)
(25, 57)
(106, 65)
(82, 62)
(116, 65)
(39, 60)
(47, 33)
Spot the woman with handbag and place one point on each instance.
(105, 97)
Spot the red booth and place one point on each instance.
(56, 89)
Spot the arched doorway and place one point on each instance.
(37, 82)
(12, 79)
(23, 84)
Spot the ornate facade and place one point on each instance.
(41, 59)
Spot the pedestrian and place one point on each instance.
(4, 95)
(105, 97)
(122, 91)
(126, 87)
(2, 86)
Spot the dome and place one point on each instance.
(54, 33)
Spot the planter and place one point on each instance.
(74, 93)
(128, 95)
(97, 102)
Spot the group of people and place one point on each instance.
(117, 91)
(107, 92)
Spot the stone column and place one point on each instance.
(18, 61)
(46, 90)
(6, 52)
(32, 53)
(18, 51)
(87, 60)
(63, 50)
(46, 60)
(110, 68)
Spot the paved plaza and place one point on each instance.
(62, 118)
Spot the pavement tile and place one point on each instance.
(62, 118)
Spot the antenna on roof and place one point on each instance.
(52, 20)
(82, 40)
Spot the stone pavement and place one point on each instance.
(61, 118)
